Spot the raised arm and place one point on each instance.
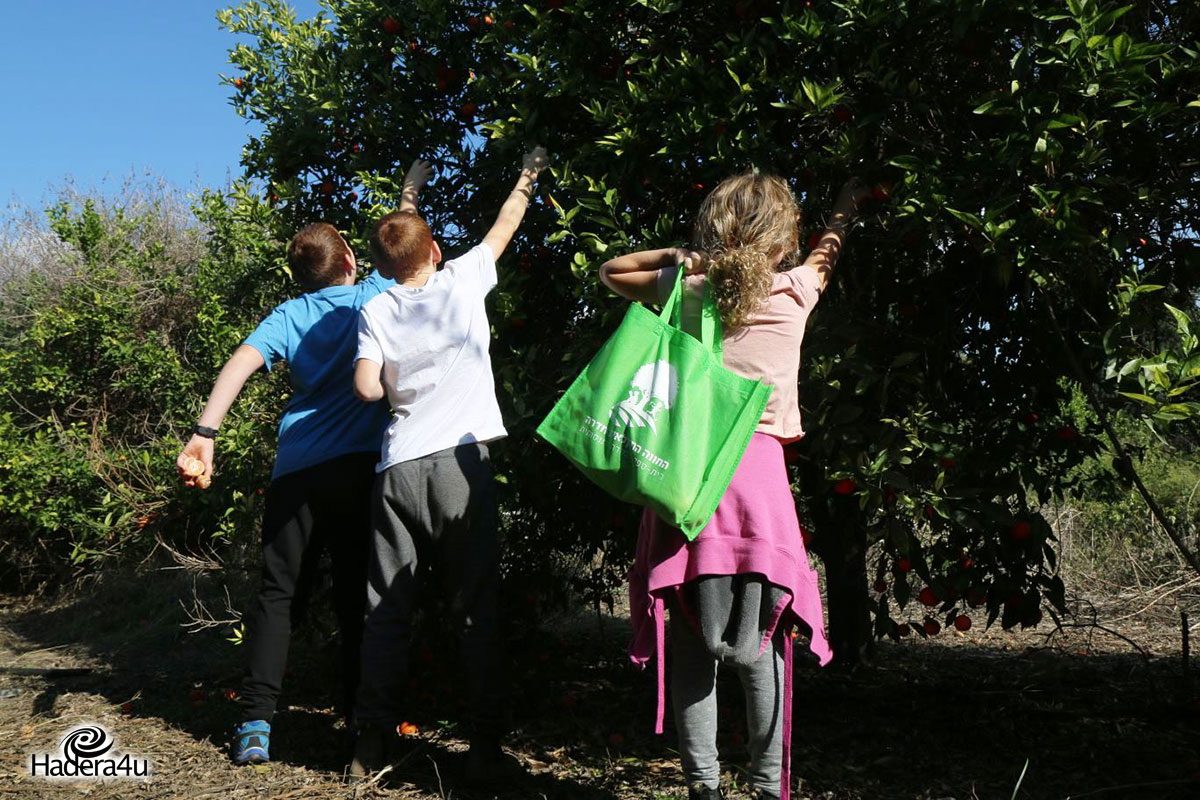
(414, 181)
(244, 362)
(513, 210)
(829, 246)
(635, 276)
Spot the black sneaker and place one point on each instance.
(489, 767)
(698, 791)
(374, 749)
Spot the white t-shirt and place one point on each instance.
(432, 342)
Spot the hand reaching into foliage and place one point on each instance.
(513, 210)
(535, 160)
(415, 179)
(852, 196)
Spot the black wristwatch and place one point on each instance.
(205, 431)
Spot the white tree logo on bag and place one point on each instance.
(651, 392)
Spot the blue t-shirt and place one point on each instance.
(316, 334)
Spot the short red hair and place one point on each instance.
(400, 244)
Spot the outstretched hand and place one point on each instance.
(853, 195)
(418, 175)
(535, 160)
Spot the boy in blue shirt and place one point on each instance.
(320, 491)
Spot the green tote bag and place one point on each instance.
(656, 419)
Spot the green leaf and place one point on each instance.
(1150, 401)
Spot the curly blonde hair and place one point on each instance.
(745, 225)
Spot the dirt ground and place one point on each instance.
(1099, 709)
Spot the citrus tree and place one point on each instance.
(1035, 172)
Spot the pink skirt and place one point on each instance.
(754, 530)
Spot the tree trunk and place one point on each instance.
(841, 545)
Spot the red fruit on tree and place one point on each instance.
(881, 192)
(353, 197)
(327, 187)
(880, 586)
(962, 623)
(407, 729)
(467, 110)
(488, 19)
(845, 486)
(965, 561)
(932, 627)
(1020, 531)
(555, 5)
(473, 23)
(127, 708)
(928, 597)
(889, 496)
(903, 629)
(231, 694)
(903, 565)
(391, 26)
(509, 25)
(1066, 433)
(976, 598)
(843, 115)
(948, 463)
(1143, 241)
(238, 83)
(1031, 418)
(930, 512)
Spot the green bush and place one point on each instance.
(113, 338)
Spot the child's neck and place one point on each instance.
(420, 279)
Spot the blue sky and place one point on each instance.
(97, 90)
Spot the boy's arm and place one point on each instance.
(414, 181)
(244, 362)
(513, 210)
(635, 276)
(368, 380)
(829, 247)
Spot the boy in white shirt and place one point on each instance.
(424, 344)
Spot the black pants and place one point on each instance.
(434, 514)
(326, 506)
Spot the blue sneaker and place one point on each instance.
(252, 742)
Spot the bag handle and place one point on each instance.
(711, 330)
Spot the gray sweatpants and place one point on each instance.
(694, 697)
(433, 514)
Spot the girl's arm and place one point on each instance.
(635, 276)
(244, 362)
(513, 210)
(829, 248)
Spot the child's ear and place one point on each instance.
(349, 264)
(435, 253)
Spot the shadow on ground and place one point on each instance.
(954, 717)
